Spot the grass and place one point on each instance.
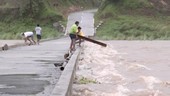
(84, 80)
(13, 30)
(129, 20)
(126, 27)
(133, 4)
(11, 27)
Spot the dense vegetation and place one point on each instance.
(133, 20)
(27, 14)
(123, 19)
(18, 16)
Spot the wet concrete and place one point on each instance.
(22, 84)
(30, 70)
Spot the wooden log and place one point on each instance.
(93, 41)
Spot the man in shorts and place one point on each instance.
(73, 35)
(38, 31)
(28, 36)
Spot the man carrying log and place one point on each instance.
(73, 35)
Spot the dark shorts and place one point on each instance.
(38, 36)
(72, 36)
(30, 36)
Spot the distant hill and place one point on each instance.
(134, 20)
(138, 7)
(42, 9)
(18, 16)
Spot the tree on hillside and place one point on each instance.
(34, 8)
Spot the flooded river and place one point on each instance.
(124, 68)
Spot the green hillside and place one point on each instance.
(18, 16)
(134, 20)
(42, 9)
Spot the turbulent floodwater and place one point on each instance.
(124, 68)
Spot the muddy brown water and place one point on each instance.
(124, 68)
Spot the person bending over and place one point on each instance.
(28, 36)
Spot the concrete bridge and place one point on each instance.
(30, 70)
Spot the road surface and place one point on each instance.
(30, 70)
(86, 19)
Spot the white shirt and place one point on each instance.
(27, 34)
(38, 30)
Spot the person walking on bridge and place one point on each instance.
(38, 31)
(73, 35)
